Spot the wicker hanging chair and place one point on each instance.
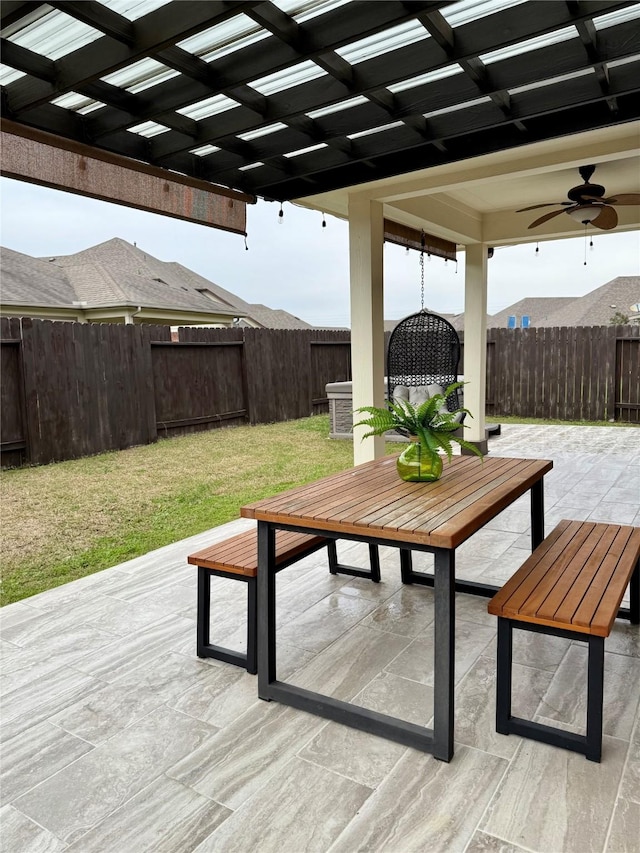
(422, 359)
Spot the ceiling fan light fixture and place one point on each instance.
(586, 213)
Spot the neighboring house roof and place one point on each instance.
(103, 280)
(273, 318)
(116, 272)
(536, 308)
(598, 307)
(37, 281)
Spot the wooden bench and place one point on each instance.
(237, 558)
(571, 586)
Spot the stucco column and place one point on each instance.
(366, 237)
(475, 342)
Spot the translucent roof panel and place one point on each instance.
(224, 38)
(209, 107)
(422, 79)
(620, 16)
(529, 45)
(373, 130)
(306, 150)
(8, 75)
(204, 150)
(336, 108)
(456, 107)
(384, 42)
(78, 103)
(466, 11)
(133, 9)
(551, 81)
(287, 79)
(140, 75)
(148, 128)
(54, 35)
(262, 131)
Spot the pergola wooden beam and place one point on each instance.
(43, 158)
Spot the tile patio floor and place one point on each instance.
(117, 739)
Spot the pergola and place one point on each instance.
(441, 117)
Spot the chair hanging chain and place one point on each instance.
(422, 271)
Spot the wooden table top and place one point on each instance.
(371, 500)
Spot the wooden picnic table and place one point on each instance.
(370, 503)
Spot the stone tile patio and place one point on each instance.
(116, 738)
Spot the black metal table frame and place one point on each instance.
(439, 740)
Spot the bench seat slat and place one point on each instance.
(575, 580)
(239, 554)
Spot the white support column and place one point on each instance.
(366, 238)
(475, 342)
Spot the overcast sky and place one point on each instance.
(299, 265)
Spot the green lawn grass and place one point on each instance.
(73, 518)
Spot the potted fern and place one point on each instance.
(431, 427)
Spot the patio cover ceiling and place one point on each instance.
(290, 99)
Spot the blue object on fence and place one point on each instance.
(525, 321)
(511, 324)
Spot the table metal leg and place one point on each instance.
(266, 609)
(537, 513)
(444, 654)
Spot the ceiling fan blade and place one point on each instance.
(606, 219)
(546, 217)
(546, 204)
(623, 198)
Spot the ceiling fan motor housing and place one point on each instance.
(586, 192)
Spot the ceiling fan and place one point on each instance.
(587, 204)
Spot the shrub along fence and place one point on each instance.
(71, 389)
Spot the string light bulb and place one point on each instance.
(280, 215)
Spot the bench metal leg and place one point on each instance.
(595, 697)
(335, 567)
(590, 744)
(204, 647)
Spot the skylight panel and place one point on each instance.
(615, 63)
(303, 72)
(620, 16)
(204, 150)
(373, 130)
(148, 129)
(78, 103)
(551, 81)
(422, 79)
(54, 35)
(302, 12)
(305, 150)
(133, 9)
(376, 45)
(208, 107)
(529, 45)
(456, 107)
(8, 75)
(261, 131)
(140, 75)
(336, 108)
(465, 11)
(224, 38)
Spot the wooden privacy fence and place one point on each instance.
(570, 373)
(71, 389)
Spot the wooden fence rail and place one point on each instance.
(71, 389)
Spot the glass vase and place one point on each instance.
(418, 464)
